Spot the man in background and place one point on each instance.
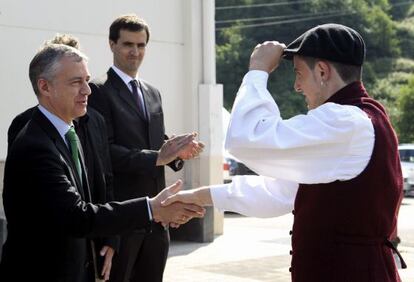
(133, 112)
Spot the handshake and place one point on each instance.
(173, 208)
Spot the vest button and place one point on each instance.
(290, 232)
(290, 252)
(293, 212)
(290, 269)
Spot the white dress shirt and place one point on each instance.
(61, 126)
(331, 142)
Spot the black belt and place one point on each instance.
(391, 245)
(371, 241)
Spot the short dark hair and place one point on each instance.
(47, 62)
(348, 73)
(129, 22)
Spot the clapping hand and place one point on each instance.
(192, 149)
(182, 146)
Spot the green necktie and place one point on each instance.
(73, 141)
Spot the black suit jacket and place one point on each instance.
(47, 215)
(17, 124)
(133, 140)
(91, 130)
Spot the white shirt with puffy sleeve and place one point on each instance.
(331, 142)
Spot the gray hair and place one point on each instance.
(47, 62)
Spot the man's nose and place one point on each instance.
(297, 87)
(86, 89)
(134, 50)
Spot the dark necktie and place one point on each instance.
(73, 141)
(141, 109)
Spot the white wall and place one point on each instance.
(25, 25)
(174, 62)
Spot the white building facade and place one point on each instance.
(180, 61)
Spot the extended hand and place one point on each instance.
(200, 197)
(172, 147)
(266, 56)
(177, 213)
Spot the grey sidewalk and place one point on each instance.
(254, 249)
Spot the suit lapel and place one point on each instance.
(85, 182)
(124, 92)
(50, 129)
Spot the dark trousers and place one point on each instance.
(142, 256)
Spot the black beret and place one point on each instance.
(332, 42)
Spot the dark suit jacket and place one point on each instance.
(17, 124)
(91, 130)
(134, 141)
(47, 215)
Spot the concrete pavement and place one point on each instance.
(254, 249)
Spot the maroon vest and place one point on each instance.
(341, 229)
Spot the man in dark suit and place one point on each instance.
(133, 112)
(46, 190)
(91, 130)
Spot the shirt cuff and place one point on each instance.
(256, 77)
(219, 196)
(149, 209)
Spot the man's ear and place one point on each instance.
(111, 44)
(44, 87)
(323, 69)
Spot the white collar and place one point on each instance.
(61, 126)
(125, 77)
